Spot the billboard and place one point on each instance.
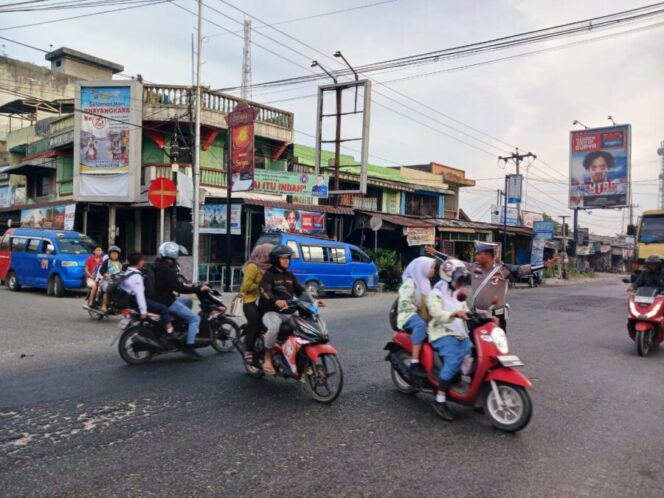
(213, 219)
(107, 141)
(543, 230)
(294, 221)
(286, 182)
(529, 218)
(48, 217)
(241, 123)
(420, 236)
(498, 215)
(514, 183)
(600, 167)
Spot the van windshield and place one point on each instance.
(269, 238)
(652, 230)
(76, 246)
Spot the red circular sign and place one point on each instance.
(162, 192)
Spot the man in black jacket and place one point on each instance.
(277, 287)
(651, 276)
(167, 284)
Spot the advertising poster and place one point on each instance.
(529, 218)
(242, 157)
(70, 216)
(6, 196)
(213, 219)
(498, 215)
(600, 167)
(286, 182)
(514, 183)
(537, 254)
(543, 230)
(420, 236)
(105, 129)
(294, 221)
(46, 217)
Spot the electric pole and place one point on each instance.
(564, 253)
(660, 199)
(245, 91)
(197, 151)
(517, 158)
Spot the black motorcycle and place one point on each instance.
(141, 339)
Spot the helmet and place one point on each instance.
(452, 270)
(114, 249)
(169, 250)
(654, 260)
(279, 252)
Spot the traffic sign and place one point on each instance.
(162, 193)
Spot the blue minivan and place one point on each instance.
(326, 265)
(46, 259)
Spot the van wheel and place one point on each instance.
(58, 288)
(12, 282)
(312, 288)
(359, 288)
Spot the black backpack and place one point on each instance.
(394, 314)
(149, 281)
(116, 295)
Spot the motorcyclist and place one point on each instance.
(109, 267)
(167, 284)
(277, 287)
(651, 276)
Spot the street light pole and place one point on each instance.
(197, 149)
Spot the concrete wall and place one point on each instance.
(28, 79)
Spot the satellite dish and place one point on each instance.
(376, 223)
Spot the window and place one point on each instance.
(652, 230)
(313, 254)
(18, 244)
(76, 246)
(49, 249)
(43, 186)
(337, 255)
(293, 245)
(33, 245)
(358, 256)
(5, 244)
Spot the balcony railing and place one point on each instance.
(182, 96)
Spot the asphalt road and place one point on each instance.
(76, 421)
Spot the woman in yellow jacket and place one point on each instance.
(253, 270)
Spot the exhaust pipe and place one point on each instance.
(400, 366)
(147, 344)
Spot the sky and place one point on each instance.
(463, 118)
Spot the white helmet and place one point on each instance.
(171, 250)
(452, 270)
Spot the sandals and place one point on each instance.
(249, 356)
(268, 370)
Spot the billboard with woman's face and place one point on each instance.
(599, 168)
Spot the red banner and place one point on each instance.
(241, 121)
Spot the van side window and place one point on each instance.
(18, 245)
(4, 246)
(293, 245)
(313, 254)
(358, 256)
(33, 245)
(48, 248)
(337, 255)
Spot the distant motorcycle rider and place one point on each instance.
(167, 284)
(651, 276)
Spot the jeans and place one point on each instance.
(272, 321)
(182, 307)
(452, 351)
(251, 330)
(162, 309)
(418, 329)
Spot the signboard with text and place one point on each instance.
(514, 183)
(241, 123)
(420, 236)
(294, 221)
(498, 215)
(46, 217)
(600, 167)
(286, 182)
(543, 230)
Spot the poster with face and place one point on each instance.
(294, 221)
(599, 167)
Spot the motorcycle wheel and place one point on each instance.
(323, 371)
(643, 340)
(126, 350)
(402, 385)
(224, 332)
(255, 368)
(517, 412)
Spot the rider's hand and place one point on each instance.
(143, 316)
(462, 315)
(495, 320)
(321, 303)
(630, 289)
(281, 304)
(430, 250)
(204, 288)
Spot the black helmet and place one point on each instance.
(654, 260)
(279, 252)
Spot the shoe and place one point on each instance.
(417, 370)
(191, 353)
(443, 410)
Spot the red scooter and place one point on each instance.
(646, 319)
(492, 383)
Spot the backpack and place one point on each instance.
(149, 281)
(394, 314)
(117, 295)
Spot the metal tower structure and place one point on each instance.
(245, 91)
(660, 196)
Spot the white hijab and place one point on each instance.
(418, 271)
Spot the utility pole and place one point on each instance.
(517, 158)
(564, 253)
(660, 199)
(197, 150)
(245, 89)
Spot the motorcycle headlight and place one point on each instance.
(500, 340)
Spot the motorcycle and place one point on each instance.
(645, 324)
(302, 351)
(141, 339)
(492, 382)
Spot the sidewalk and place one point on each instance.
(559, 282)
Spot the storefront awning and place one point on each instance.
(401, 220)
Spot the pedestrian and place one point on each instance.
(253, 270)
(91, 264)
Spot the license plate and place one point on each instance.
(124, 323)
(510, 360)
